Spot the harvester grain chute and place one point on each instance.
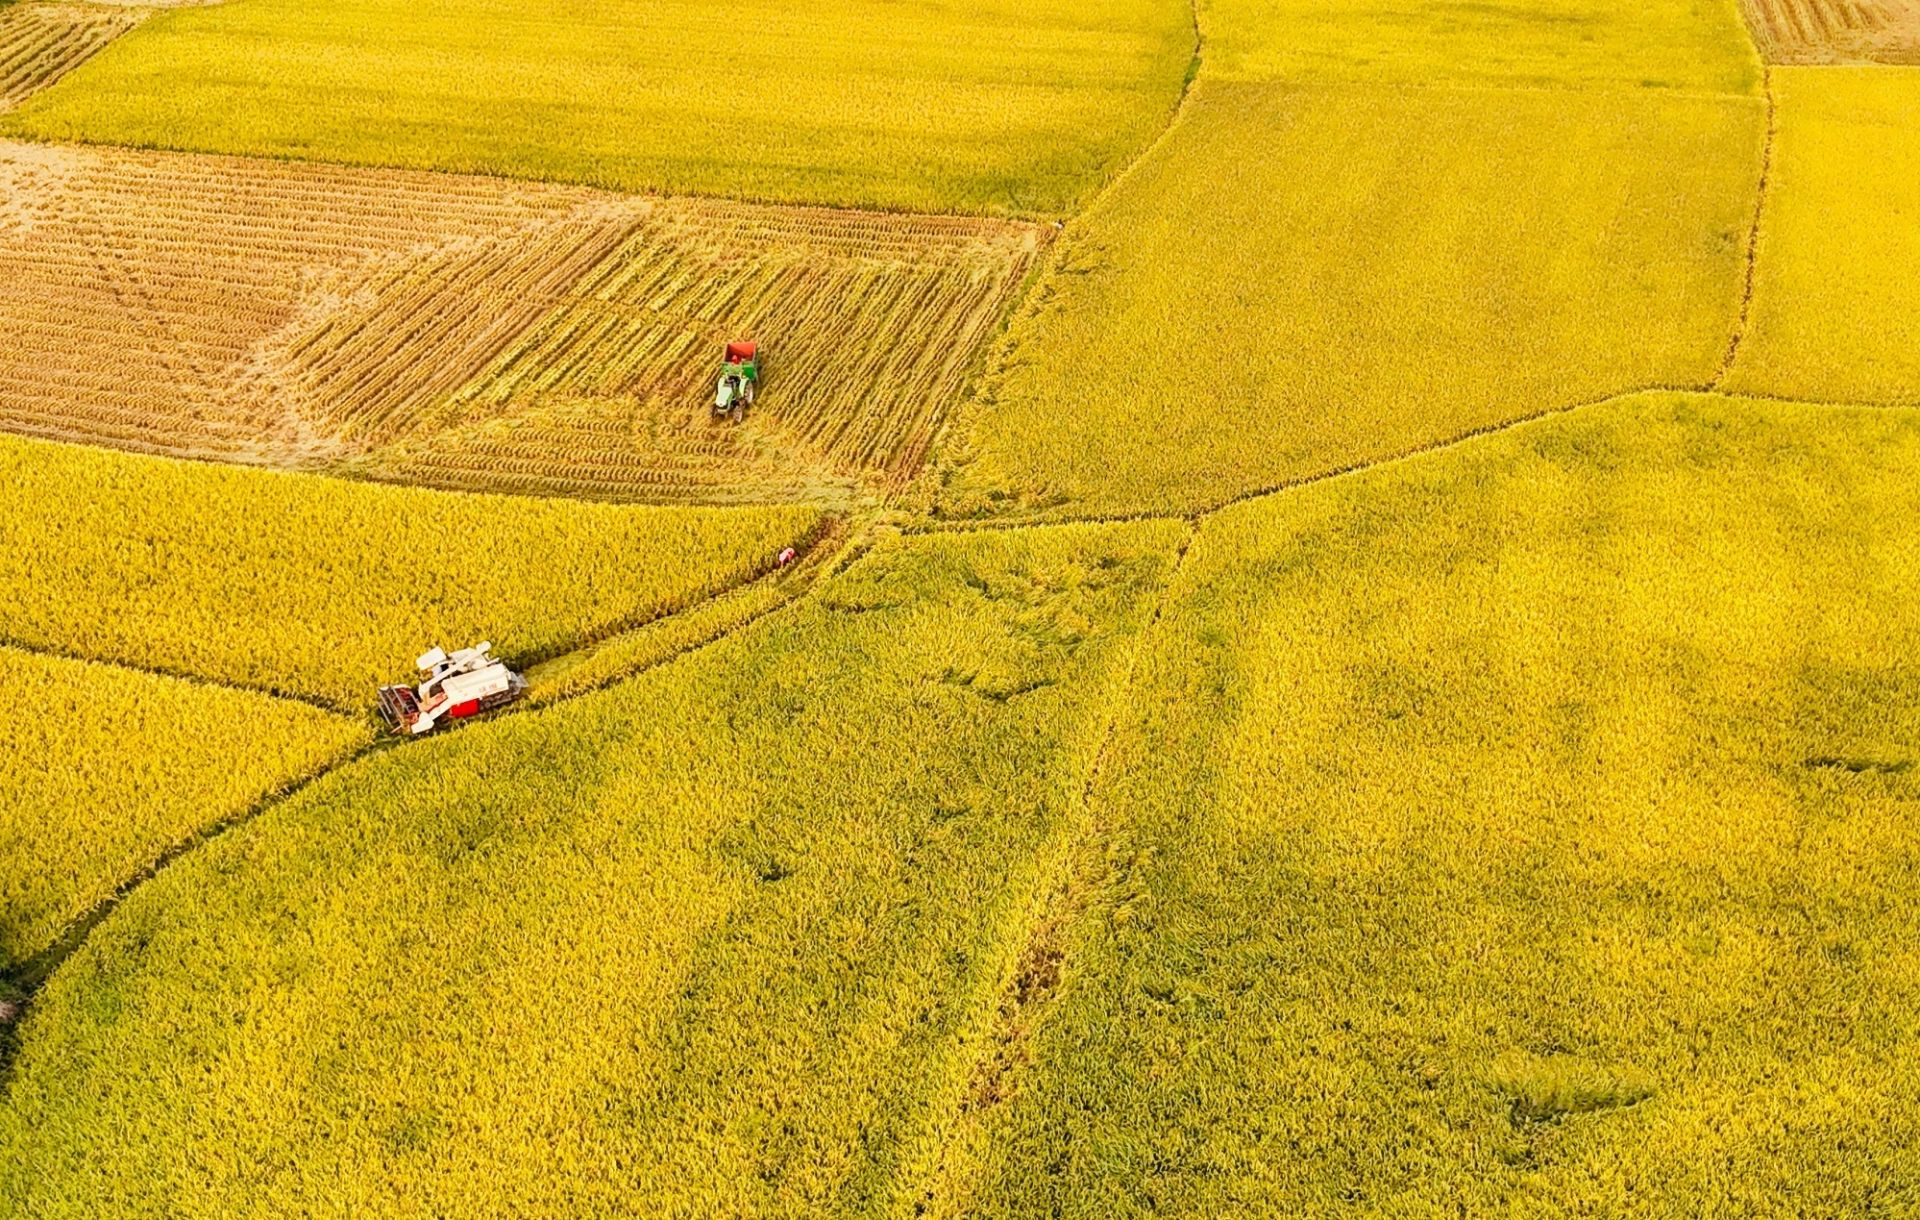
(457, 685)
(739, 376)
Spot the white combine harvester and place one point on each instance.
(466, 683)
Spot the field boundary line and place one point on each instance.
(179, 675)
(1745, 319)
(1035, 292)
(21, 984)
(973, 524)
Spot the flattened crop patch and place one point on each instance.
(481, 334)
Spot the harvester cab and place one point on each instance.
(457, 685)
(739, 374)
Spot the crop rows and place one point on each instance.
(479, 334)
(143, 295)
(361, 368)
(612, 450)
(40, 43)
(870, 327)
(1836, 31)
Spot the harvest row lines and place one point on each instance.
(40, 43)
(324, 316)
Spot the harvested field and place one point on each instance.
(480, 334)
(144, 297)
(40, 43)
(1835, 31)
(871, 322)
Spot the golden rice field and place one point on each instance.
(1008, 107)
(1555, 44)
(1523, 830)
(1348, 645)
(1836, 305)
(1395, 270)
(323, 589)
(723, 940)
(469, 333)
(106, 768)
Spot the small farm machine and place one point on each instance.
(460, 684)
(739, 374)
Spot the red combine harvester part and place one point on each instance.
(458, 685)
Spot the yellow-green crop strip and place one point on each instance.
(1004, 106)
(323, 588)
(1525, 829)
(707, 942)
(1691, 45)
(105, 768)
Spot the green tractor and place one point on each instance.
(739, 374)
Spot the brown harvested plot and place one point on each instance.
(1836, 31)
(145, 298)
(477, 333)
(870, 324)
(40, 43)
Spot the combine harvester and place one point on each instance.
(739, 375)
(464, 684)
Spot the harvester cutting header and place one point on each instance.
(462, 684)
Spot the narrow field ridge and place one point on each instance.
(1753, 237)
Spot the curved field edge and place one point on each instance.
(1515, 826)
(1003, 108)
(322, 588)
(107, 769)
(633, 931)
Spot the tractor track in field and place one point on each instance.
(1038, 286)
(1073, 869)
